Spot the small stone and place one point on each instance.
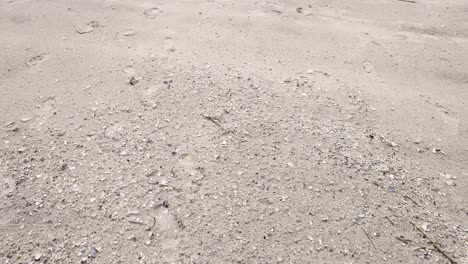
(382, 168)
(129, 33)
(438, 150)
(163, 182)
(424, 226)
(21, 150)
(447, 176)
(9, 124)
(94, 252)
(133, 81)
(14, 129)
(64, 166)
(37, 256)
(450, 183)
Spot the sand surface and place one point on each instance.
(221, 131)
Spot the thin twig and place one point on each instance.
(228, 95)
(411, 199)
(369, 238)
(406, 241)
(434, 244)
(151, 173)
(154, 223)
(391, 222)
(210, 118)
(172, 171)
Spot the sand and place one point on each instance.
(233, 131)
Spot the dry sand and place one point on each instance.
(234, 131)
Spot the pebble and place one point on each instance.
(447, 176)
(450, 183)
(21, 150)
(129, 33)
(438, 150)
(94, 252)
(133, 81)
(424, 226)
(37, 256)
(164, 182)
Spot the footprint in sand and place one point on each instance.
(272, 9)
(133, 76)
(189, 173)
(168, 228)
(189, 166)
(86, 28)
(108, 4)
(115, 132)
(130, 71)
(148, 95)
(368, 66)
(45, 111)
(7, 185)
(451, 124)
(152, 13)
(36, 59)
(169, 45)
